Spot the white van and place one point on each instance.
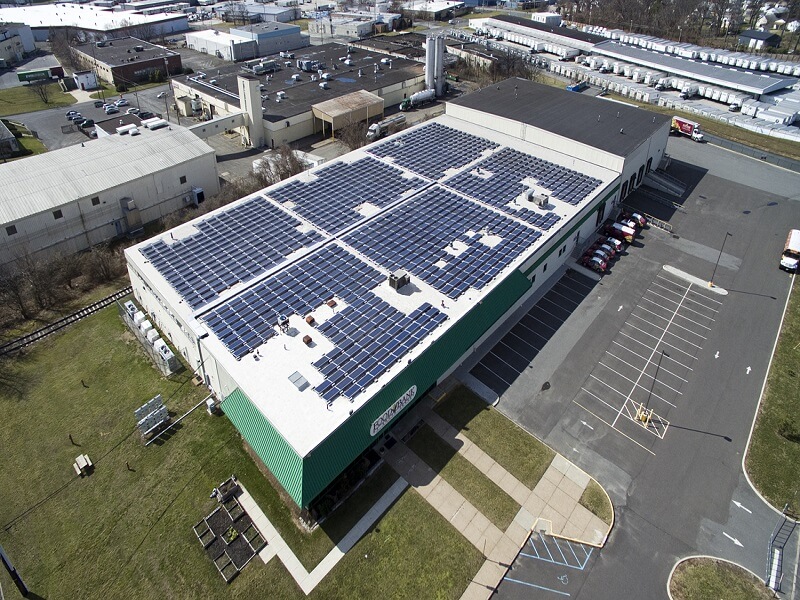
(791, 252)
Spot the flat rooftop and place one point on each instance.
(753, 82)
(609, 126)
(302, 94)
(407, 45)
(458, 222)
(117, 52)
(566, 32)
(80, 16)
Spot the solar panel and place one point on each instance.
(347, 373)
(331, 200)
(433, 223)
(230, 246)
(248, 320)
(432, 149)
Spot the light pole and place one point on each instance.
(680, 34)
(725, 239)
(644, 411)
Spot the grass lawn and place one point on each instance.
(20, 99)
(482, 492)
(708, 579)
(301, 23)
(521, 454)
(128, 533)
(773, 459)
(31, 144)
(595, 499)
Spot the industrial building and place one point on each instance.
(272, 37)
(435, 10)
(71, 199)
(16, 41)
(127, 60)
(94, 22)
(318, 310)
(279, 107)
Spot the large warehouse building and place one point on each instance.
(70, 199)
(319, 309)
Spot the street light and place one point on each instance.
(645, 413)
(680, 34)
(725, 239)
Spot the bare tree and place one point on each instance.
(353, 135)
(13, 292)
(41, 90)
(280, 165)
(103, 263)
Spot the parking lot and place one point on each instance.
(547, 566)
(641, 375)
(504, 363)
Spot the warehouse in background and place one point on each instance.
(313, 313)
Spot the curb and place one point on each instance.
(708, 556)
(758, 408)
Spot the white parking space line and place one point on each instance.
(557, 305)
(714, 310)
(513, 350)
(538, 320)
(662, 329)
(500, 358)
(709, 299)
(556, 317)
(602, 420)
(649, 360)
(628, 379)
(568, 299)
(536, 333)
(494, 373)
(660, 339)
(665, 318)
(664, 369)
(526, 342)
(649, 348)
(672, 310)
(693, 291)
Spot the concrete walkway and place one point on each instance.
(276, 546)
(551, 507)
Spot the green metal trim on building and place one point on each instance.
(304, 478)
(569, 233)
(268, 444)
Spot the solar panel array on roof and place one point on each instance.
(432, 149)
(416, 235)
(230, 246)
(248, 320)
(370, 336)
(497, 180)
(331, 199)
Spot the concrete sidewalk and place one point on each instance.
(552, 506)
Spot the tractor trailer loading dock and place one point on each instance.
(320, 318)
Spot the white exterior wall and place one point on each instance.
(84, 224)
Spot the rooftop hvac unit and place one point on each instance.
(130, 308)
(398, 279)
(541, 200)
(138, 317)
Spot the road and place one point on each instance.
(677, 485)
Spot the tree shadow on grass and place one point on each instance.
(13, 384)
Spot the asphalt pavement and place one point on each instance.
(676, 481)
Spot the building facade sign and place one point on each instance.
(395, 408)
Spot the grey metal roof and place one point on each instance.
(722, 75)
(566, 32)
(47, 181)
(758, 35)
(585, 119)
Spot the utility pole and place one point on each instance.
(15, 576)
(725, 239)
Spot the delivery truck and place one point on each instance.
(418, 99)
(681, 126)
(382, 128)
(791, 252)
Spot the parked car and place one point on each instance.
(75, 117)
(613, 242)
(640, 220)
(132, 111)
(69, 113)
(112, 110)
(608, 249)
(122, 102)
(597, 253)
(86, 123)
(161, 95)
(146, 114)
(98, 104)
(594, 263)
